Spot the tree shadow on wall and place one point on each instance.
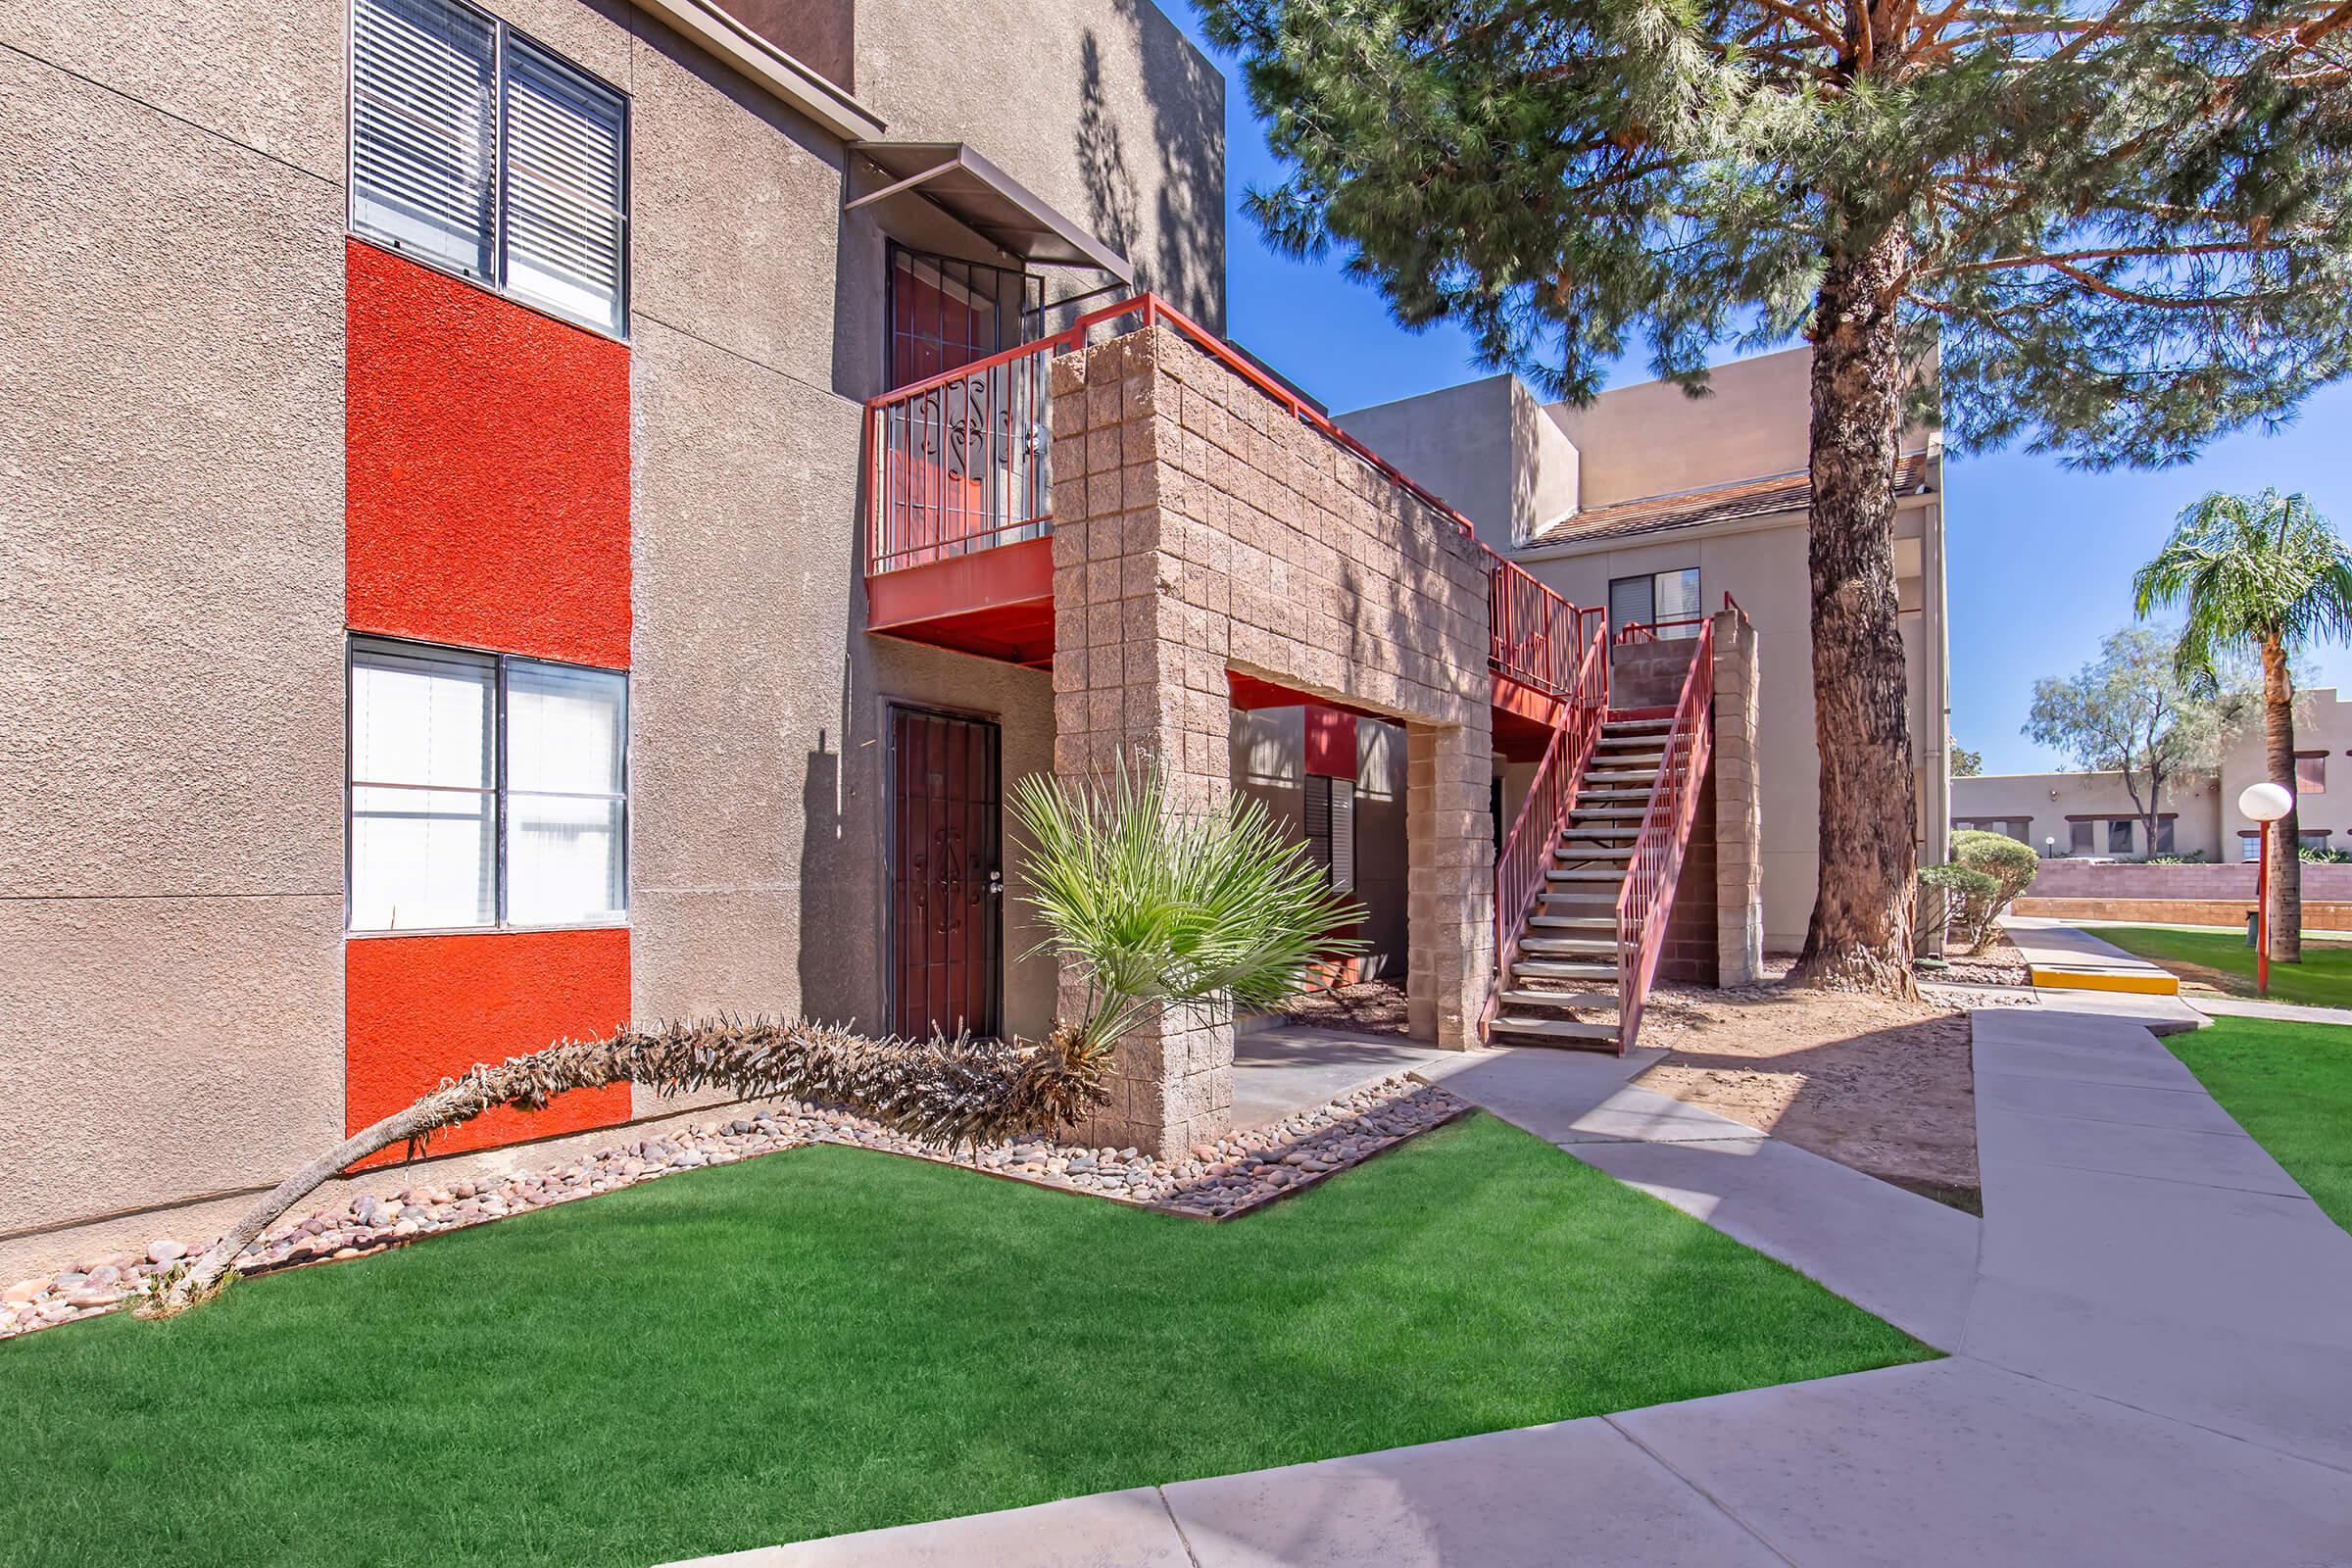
(1185, 97)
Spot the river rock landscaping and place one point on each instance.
(1238, 1173)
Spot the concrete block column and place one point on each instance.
(1135, 677)
(1449, 883)
(1739, 806)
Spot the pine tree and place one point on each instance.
(2110, 228)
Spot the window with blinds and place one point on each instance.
(475, 150)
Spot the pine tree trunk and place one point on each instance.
(2283, 914)
(1860, 934)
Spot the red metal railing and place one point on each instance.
(1645, 901)
(1527, 850)
(963, 460)
(1534, 636)
(1646, 631)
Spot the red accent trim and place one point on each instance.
(419, 1009)
(1249, 693)
(996, 602)
(486, 458)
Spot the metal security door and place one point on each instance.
(947, 882)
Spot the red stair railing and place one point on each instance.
(1527, 850)
(1645, 902)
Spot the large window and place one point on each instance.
(1655, 597)
(484, 790)
(476, 150)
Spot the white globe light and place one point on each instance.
(2265, 802)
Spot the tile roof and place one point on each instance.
(1722, 503)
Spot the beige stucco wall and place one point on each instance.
(1200, 529)
(1485, 448)
(171, 606)
(2322, 723)
(171, 512)
(1762, 564)
(2051, 799)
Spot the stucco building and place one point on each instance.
(1657, 505)
(527, 517)
(2091, 814)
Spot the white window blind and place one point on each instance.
(424, 129)
(484, 790)
(564, 750)
(476, 150)
(565, 222)
(423, 806)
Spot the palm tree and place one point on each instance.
(1153, 907)
(2262, 572)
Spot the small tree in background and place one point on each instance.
(2257, 574)
(2112, 227)
(2131, 711)
(1966, 763)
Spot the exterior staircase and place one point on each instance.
(1584, 884)
(1563, 980)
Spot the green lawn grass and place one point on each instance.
(2289, 1085)
(831, 1339)
(2221, 959)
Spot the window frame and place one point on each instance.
(2321, 759)
(495, 282)
(1671, 631)
(497, 793)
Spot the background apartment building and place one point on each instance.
(434, 621)
(2091, 814)
(1657, 504)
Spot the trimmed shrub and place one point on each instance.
(1953, 885)
(2008, 865)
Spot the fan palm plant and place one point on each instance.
(2266, 573)
(1157, 908)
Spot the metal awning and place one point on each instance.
(982, 197)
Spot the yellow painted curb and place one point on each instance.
(2136, 981)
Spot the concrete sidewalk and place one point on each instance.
(2152, 1336)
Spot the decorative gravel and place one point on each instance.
(1233, 1176)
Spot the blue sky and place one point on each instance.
(2041, 555)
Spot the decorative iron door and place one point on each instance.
(947, 879)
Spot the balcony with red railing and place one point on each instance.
(959, 520)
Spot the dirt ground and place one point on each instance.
(1885, 1087)
(2001, 964)
(1375, 1007)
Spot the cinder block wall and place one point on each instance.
(1689, 953)
(1200, 529)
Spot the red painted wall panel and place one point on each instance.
(1330, 742)
(419, 1009)
(487, 464)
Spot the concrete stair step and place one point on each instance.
(1591, 855)
(1521, 997)
(1563, 927)
(1559, 969)
(1556, 1029)
(1611, 876)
